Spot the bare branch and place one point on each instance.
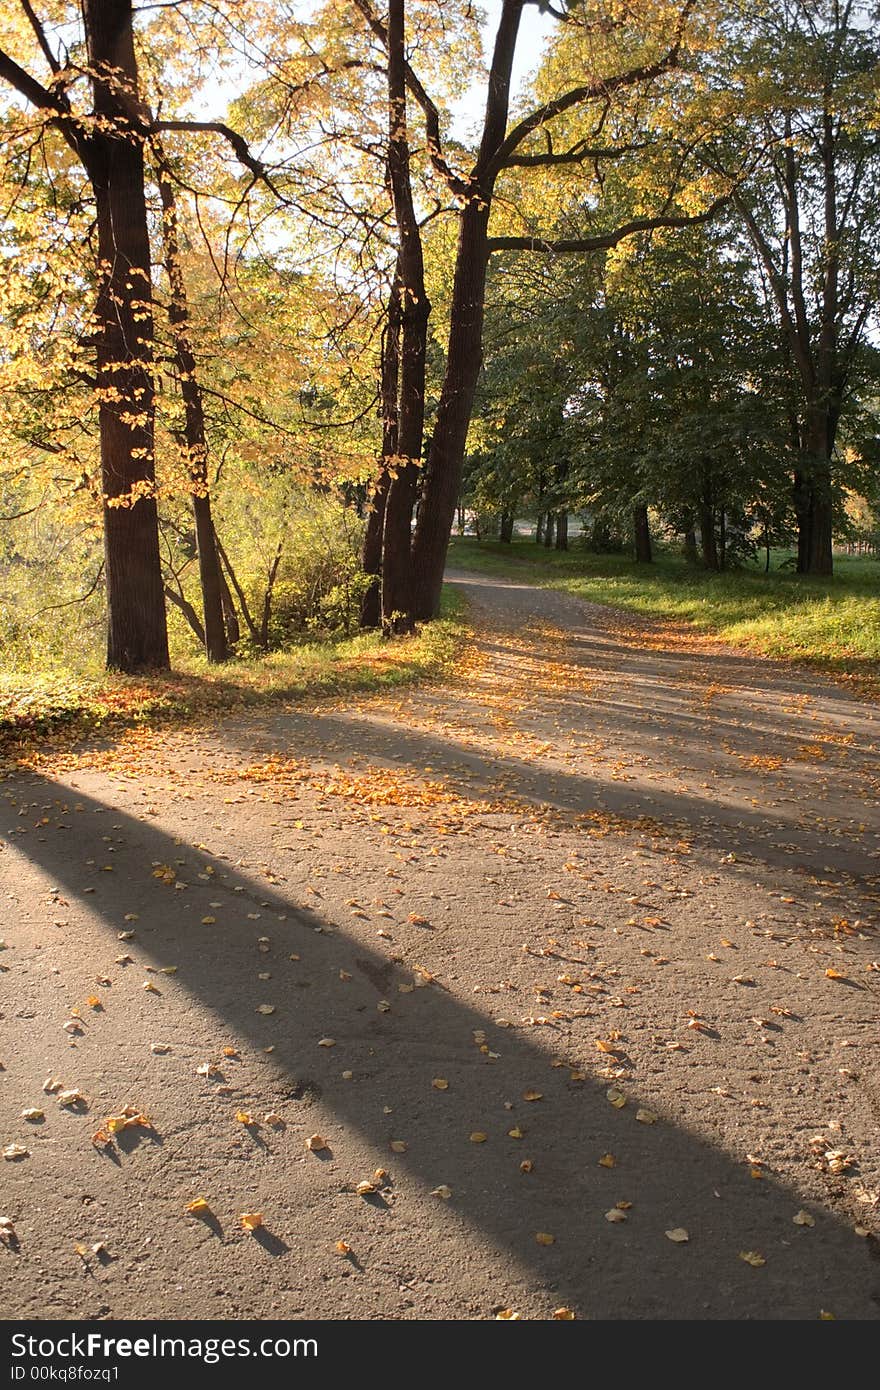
(603, 241)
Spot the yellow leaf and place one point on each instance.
(617, 1098)
(150, 987)
(526, 1166)
(516, 1133)
(804, 1218)
(825, 1316)
(563, 1315)
(533, 1095)
(208, 921)
(679, 1235)
(507, 1315)
(544, 1238)
(327, 1042)
(615, 1215)
(646, 1117)
(244, 1117)
(607, 1161)
(478, 1137)
(364, 1189)
(94, 1002)
(832, 974)
(316, 1143)
(265, 1009)
(198, 1207)
(442, 1191)
(753, 1258)
(343, 1247)
(398, 1146)
(440, 1083)
(251, 1220)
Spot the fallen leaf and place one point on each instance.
(804, 1218)
(128, 1118)
(646, 1117)
(251, 1220)
(316, 1143)
(617, 1098)
(34, 1115)
(832, 974)
(343, 1247)
(478, 1137)
(327, 1042)
(265, 1009)
(526, 1166)
(544, 1238)
(398, 1146)
(14, 1152)
(244, 1117)
(516, 1133)
(679, 1235)
(615, 1215)
(364, 1189)
(160, 1048)
(71, 1098)
(198, 1207)
(507, 1315)
(563, 1315)
(442, 1191)
(607, 1161)
(753, 1258)
(273, 1117)
(440, 1083)
(533, 1095)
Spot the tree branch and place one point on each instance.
(603, 241)
(458, 185)
(578, 96)
(41, 37)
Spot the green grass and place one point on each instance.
(63, 705)
(833, 624)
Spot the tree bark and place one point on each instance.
(562, 530)
(505, 527)
(137, 636)
(465, 348)
(549, 530)
(398, 611)
(210, 580)
(642, 535)
(371, 555)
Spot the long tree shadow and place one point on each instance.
(673, 1178)
(759, 835)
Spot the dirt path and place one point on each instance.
(607, 899)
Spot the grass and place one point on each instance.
(64, 706)
(832, 624)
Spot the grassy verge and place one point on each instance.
(832, 624)
(58, 704)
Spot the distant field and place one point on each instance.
(833, 624)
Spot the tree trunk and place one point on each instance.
(642, 535)
(371, 556)
(690, 542)
(505, 527)
(464, 352)
(562, 530)
(397, 595)
(549, 530)
(446, 456)
(539, 529)
(137, 636)
(707, 536)
(216, 649)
